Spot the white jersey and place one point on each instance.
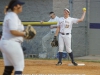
(66, 24)
(12, 22)
(56, 19)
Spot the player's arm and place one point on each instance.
(13, 27)
(57, 31)
(41, 22)
(83, 16)
(17, 33)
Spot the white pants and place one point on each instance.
(65, 39)
(12, 54)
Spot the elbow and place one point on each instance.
(81, 20)
(13, 32)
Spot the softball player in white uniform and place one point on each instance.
(12, 38)
(64, 29)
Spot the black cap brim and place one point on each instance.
(21, 3)
(18, 2)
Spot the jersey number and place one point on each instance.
(67, 26)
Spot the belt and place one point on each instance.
(64, 33)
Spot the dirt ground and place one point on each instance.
(48, 67)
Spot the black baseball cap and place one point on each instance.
(18, 2)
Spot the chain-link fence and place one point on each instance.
(39, 11)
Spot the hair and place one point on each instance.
(10, 5)
(52, 12)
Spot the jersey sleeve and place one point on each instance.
(12, 24)
(58, 19)
(75, 20)
(58, 22)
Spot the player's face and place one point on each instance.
(66, 13)
(18, 8)
(52, 15)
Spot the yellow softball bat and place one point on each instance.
(84, 9)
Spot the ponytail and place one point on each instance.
(9, 6)
(6, 9)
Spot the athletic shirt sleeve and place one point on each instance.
(13, 23)
(57, 19)
(75, 20)
(58, 23)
